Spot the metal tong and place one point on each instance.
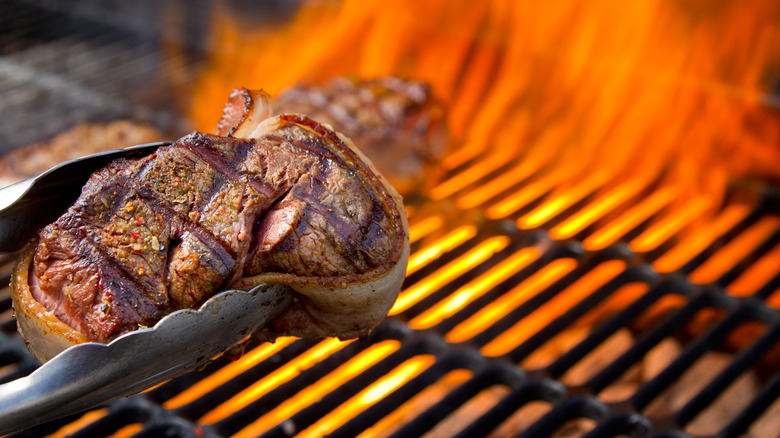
(87, 375)
(27, 206)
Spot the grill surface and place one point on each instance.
(646, 320)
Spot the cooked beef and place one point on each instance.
(398, 124)
(166, 232)
(80, 140)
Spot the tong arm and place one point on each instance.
(88, 375)
(27, 206)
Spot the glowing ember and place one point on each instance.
(420, 290)
(448, 307)
(390, 382)
(284, 374)
(758, 275)
(228, 372)
(336, 378)
(554, 308)
(521, 293)
(736, 251)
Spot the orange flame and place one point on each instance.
(651, 106)
(676, 88)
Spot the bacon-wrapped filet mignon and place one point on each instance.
(293, 203)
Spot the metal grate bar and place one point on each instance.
(464, 359)
(534, 390)
(706, 342)
(740, 364)
(582, 307)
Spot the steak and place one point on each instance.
(397, 123)
(295, 204)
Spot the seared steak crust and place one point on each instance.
(152, 236)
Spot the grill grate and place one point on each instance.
(439, 377)
(65, 70)
(621, 311)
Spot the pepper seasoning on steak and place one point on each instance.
(296, 204)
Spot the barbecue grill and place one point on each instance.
(544, 296)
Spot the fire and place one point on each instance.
(338, 377)
(390, 382)
(480, 285)
(452, 270)
(604, 87)
(561, 303)
(634, 115)
(525, 290)
(284, 374)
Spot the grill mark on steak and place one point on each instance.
(342, 224)
(324, 215)
(119, 275)
(183, 222)
(88, 232)
(221, 161)
(121, 285)
(353, 160)
(191, 222)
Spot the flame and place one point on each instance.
(424, 227)
(676, 88)
(552, 309)
(671, 224)
(413, 294)
(83, 421)
(521, 293)
(757, 275)
(430, 253)
(387, 384)
(596, 209)
(629, 219)
(736, 251)
(475, 288)
(702, 237)
(123, 431)
(336, 378)
(427, 397)
(224, 374)
(637, 116)
(577, 331)
(274, 379)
